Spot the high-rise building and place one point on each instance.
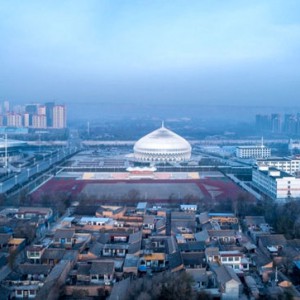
(262, 123)
(31, 109)
(26, 120)
(6, 106)
(39, 121)
(59, 117)
(14, 120)
(49, 113)
(276, 123)
(42, 110)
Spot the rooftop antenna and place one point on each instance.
(262, 141)
(162, 124)
(6, 163)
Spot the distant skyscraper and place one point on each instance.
(276, 123)
(42, 110)
(5, 106)
(26, 120)
(262, 123)
(14, 120)
(290, 123)
(59, 117)
(31, 109)
(49, 113)
(18, 109)
(39, 121)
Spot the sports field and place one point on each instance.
(208, 188)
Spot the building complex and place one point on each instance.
(36, 116)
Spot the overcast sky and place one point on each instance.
(151, 51)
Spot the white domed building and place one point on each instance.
(162, 145)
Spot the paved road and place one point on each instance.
(25, 174)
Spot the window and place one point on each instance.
(230, 258)
(236, 258)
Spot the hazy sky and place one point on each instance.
(151, 51)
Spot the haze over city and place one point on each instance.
(85, 53)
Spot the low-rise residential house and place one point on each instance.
(94, 221)
(52, 256)
(120, 245)
(272, 244)
(102, 272)
(149, 222)
(194, 260)
(223, 236)
(182, 221)
(26, 291)
(154, 261)
(141, 208)
(115, 250)
(202, 236)
(97, 272)
(235, 260)
(174, 262)
(191, 247)
(114, 212)
(229, 284)
(188, 207)
(131, 264)
(223, 218)
(34, 212)
(4, 240)
(64, 238)
(200, 278)
(212, 255)
(34, 271)
(34, 253)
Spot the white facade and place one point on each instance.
(14, 120)
(39, 121)
(253, 152)
(276, 184)
(162, 145)
(59, 117)
(288, 165)
(42, 110)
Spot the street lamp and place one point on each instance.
(16, 179)
(37, 168)
(1, 187)
(28, 171)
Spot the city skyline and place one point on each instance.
(160, 52)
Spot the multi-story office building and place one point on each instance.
(253, 152)
(276, 184)
(59, 117)
(288, 165)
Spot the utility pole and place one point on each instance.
(5, 145)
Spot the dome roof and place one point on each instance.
(162, 144)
